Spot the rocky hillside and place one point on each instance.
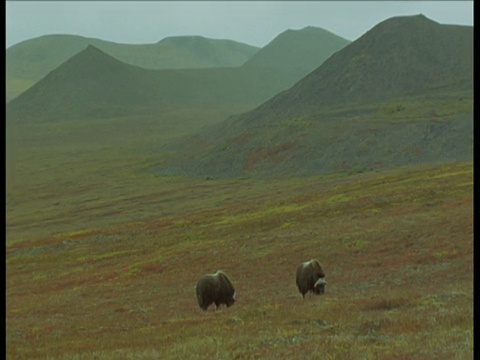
(400, 94)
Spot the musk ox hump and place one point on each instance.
(215, 289)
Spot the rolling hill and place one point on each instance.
(30, 60)
(298, 51)
(401, 56)
(400, 94)
(93, 84)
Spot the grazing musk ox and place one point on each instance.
(215, 288)
(311, 277)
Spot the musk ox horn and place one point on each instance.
(321, 281)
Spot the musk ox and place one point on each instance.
(215, 288)
(311, 277)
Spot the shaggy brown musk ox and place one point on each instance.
(311, 277)
(215, 288)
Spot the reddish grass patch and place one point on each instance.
(392, 276)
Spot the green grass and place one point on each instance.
(102, 257)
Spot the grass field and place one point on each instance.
(102, 258)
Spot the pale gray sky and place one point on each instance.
(251, 22)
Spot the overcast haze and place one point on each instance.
(255, 23)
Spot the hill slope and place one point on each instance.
(397, 249)
(93, 84)
(30, 60)
(81, 85)
(81, 88)
(299, 51)
(400, 56)
(400, 94)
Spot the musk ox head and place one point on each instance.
(311, 277)
(215, 288)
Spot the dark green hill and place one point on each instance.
(312, 46)
(30, 60)
(400, 94)
(93, 84)
(401, 56)
(81, 85)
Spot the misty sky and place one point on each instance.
(252, 22)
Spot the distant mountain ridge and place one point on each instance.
(400, 94)
(202, 52)
(30, 60)
(95, 84)
(312, 46)
(400, 56)
(78, 86)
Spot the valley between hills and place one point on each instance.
(133, 170)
